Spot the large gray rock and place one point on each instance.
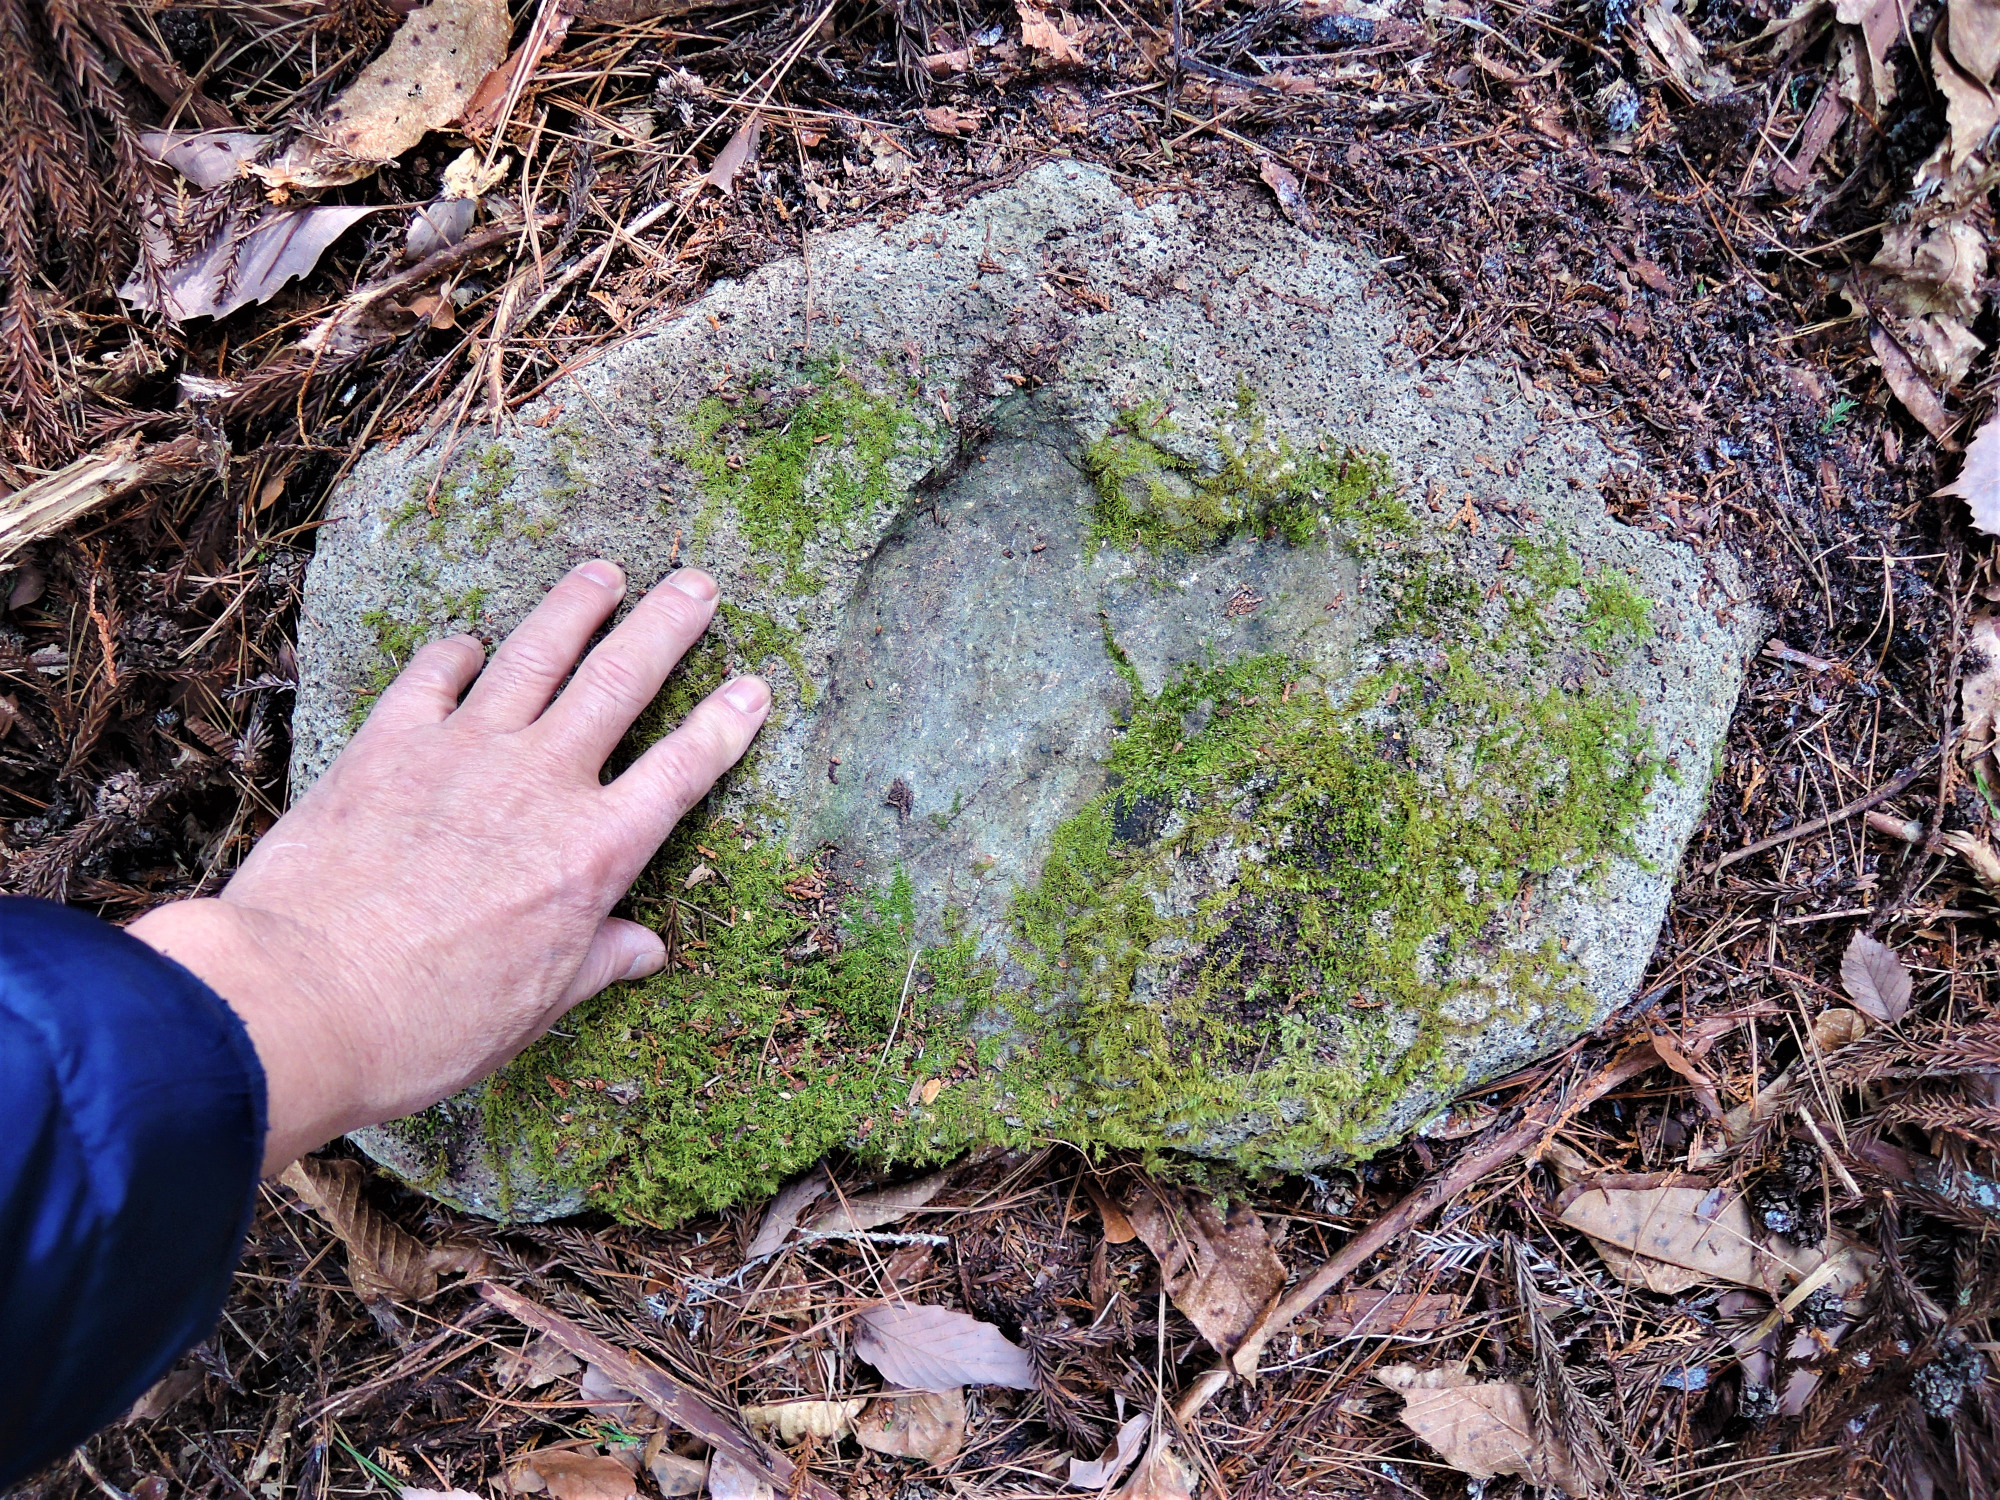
(1196, 726)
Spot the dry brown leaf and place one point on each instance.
(1978, 481)
(929, 1425)
(511, 76)
(1118, 1229)
(1964, 57)
(730, 1480)
(383, 1262)
(1979, 688)
(782, 1217)
(673, 1473)
(437, 225)
(1291, 200)
(1160, 1476)
(1678, 52)
(1221, 1272)
(934, 1348)
(1373, 1313)
(861, 1212)
(1910, 385)
(422, 81)
(1835, 1028)
(610, 1400)
(1929, 282)
(245, 261)
(541, 1362)
(206, 158)
(1671, 1053)
(406, 1493)
(946, 120)
(1695, 1228)
(164, 1394)
(945, 64)
(1096, 1473)
(794, 1421)
(1047, 38)
(567, 1474)
(1875, 979)
(1482, 1429)
(721, 174)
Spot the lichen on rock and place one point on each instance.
(1193, 730)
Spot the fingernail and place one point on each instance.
(694, 583)
(647, 963)
(747, 695)
(610, 575)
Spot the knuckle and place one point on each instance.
(619, 675)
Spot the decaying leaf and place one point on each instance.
(245, 261)
(569, 1474)
(505, 82)
(406, 1493)
(929, 1425)
(721, 174)
(1161, 1475)
(1482, 1429)
(1372, 1313)
(946, 120)
(1678, 53)
(674, 1474)
(1835, 1028)
(935, 1349)
(782, 1217)
(1700, 1230)
(1927, 279)
(1910, 385)
(1096, 1473)
(861, 1212)
(1671, 1053)
(1978, 481)
(793, 1421)
(164, 1394)
(1285, 186)
(206, 158)
(422, 81)
(1118, 1229)
(1979, 687)
(608, 1399)
(1221, 1272)
(541, 1363)
(1875, 979)
(1977, 853)
(730, 1480)
(1044, 36)
(383, 1262)
(436, 225)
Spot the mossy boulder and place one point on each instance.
(1198, 727)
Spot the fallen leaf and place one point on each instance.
(860, 1212)
(1290, 199)
(1096, 1473)
(676, 1474)
(730, 1480)
(934, 1348)
(421, 82)
(931, 1089)
(948, 121)
(542, 1362)
(1482, 1429)
(1978, 481)
(782, 1217)
(1373, 1313)
(1835, 1028)
(1681, 1226)
(1927, 281)
(1670, 1053)
(945, 64)
(245, 261)
(206, 158)
(471, 176)
(1042, 34)
(721, 174)
(929, 1425)
(1979, 688)
(1118, 1229)
(1221, 1272)
(1979, 854)
(608, 1399)
(793, 1421)
(1920, 399)
(164, 1394)
(1160, 1476)
(567, 1474)
(483, 113)
(1875, 979)
(406, 1493)
(383, 1261)
(1677, 51)
(438, 224)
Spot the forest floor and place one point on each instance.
(1749, 245)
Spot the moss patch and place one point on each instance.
(397, 640)
(805, 454)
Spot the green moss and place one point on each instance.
(797, 461)
(397, 640)
(471, 497)
(1150, 495)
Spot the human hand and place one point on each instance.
(440, 896)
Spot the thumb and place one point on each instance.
(620, 950)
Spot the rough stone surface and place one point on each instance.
(953, 630)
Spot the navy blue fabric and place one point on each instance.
(131, 1134)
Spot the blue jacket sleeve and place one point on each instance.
(131, 1134)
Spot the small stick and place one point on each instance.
(1895, 787)
(660, 1391)
(893, 1025)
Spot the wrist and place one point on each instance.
(310, 1083)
